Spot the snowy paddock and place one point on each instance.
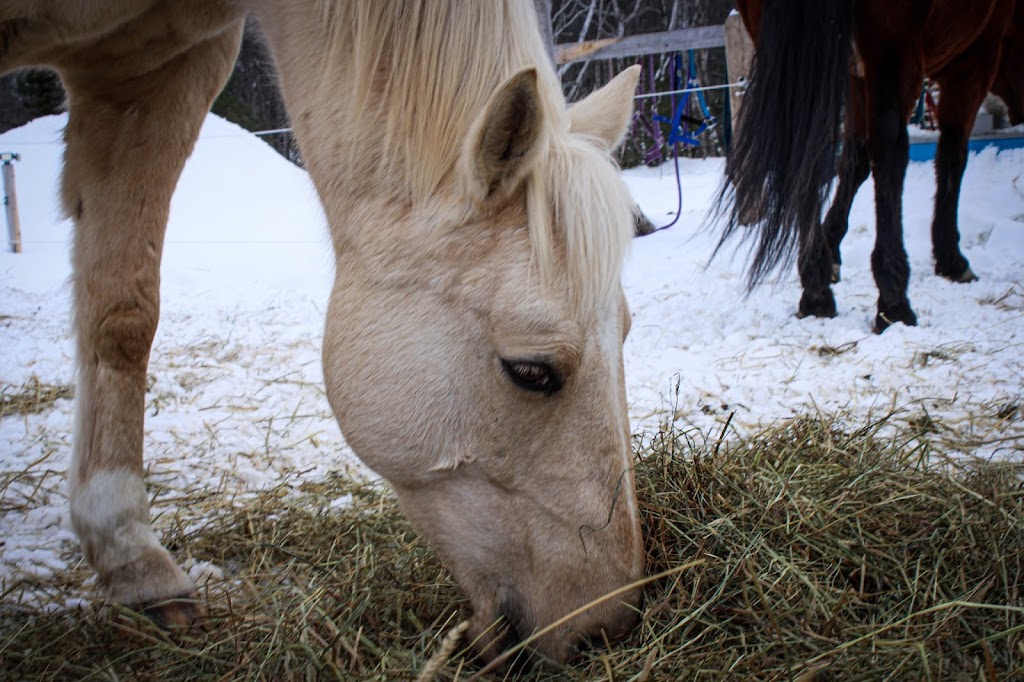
(236, 406)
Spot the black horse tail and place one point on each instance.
(783, 158)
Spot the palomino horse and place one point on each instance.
(473, 343)
(782, 165)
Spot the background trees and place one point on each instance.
(251, 98)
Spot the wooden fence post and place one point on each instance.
(11, 201)
(739, 51)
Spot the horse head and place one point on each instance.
(473, 358)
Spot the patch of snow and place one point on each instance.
(236, 403)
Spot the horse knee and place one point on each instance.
(124, 335)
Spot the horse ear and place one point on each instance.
(505, 139)
(605, 114)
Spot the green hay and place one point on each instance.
(825, 553)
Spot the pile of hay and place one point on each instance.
(822, 553)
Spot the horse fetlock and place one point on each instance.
(110, 514)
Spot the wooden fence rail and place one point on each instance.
(732, 36)
(643, 43)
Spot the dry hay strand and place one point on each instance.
(815, 551)
(997, 426)
(32, 397)
(1012, 300)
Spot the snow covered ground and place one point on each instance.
(235, 403)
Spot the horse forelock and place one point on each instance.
(419, 78)
(580, 215)
(419, 72)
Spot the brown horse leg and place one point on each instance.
(892, 80)
(127, 140)
(814, 264)
(820, 270)
(854, 168)
(1009, 80)
(963, 84)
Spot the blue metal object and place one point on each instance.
(925, 150)
(676, 132)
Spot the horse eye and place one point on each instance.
(533, 376)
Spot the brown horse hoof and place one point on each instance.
(175, 613)
(836, 271)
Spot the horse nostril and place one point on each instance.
(631, 620)
(513, 614)
(618, 627)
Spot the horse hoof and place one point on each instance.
(642, 226)
(816, 308)
(835, 278)
(175, 613)
(966, 277)
(885, 320)
(800, 315)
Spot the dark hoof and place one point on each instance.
(816, 306)
(966, 277)
(642, 226)
(835, 278)
(884, 320)
(175, 613)
(961, 275)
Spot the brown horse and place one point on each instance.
(813, 60)
(473, 344)
(957, 110)
(1009, 80)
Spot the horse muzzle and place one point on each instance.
(512, 638)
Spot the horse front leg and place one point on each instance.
(892, 82)
(127, 141)
(963, 84)
(955, 125)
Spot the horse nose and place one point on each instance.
(622, 621)
(613, 621)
